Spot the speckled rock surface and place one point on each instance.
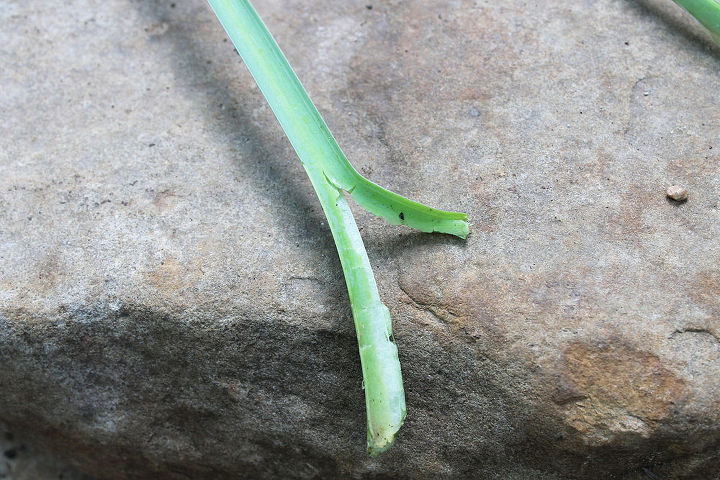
(20, 461)
(171, 305)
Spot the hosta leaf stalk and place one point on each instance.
(332, 176)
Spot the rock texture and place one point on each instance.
(20, 461)
(171, 304)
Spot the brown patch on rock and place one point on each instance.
(629, 219)
(622, 393)
(168, 277)
(705, 291)
(567, 392)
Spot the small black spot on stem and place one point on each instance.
(402, 216)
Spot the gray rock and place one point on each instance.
(171, 304)
(20, 461)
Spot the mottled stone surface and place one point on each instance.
(171, 305)
(21, 461)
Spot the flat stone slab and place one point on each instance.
(172, 305)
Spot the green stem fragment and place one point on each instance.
(707, 12)
(330, 174)
(307, 131)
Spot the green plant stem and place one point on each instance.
(707, 12)
(330, 174)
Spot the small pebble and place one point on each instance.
(677, 193)
(474, 112)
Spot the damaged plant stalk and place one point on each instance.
(332, 175)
